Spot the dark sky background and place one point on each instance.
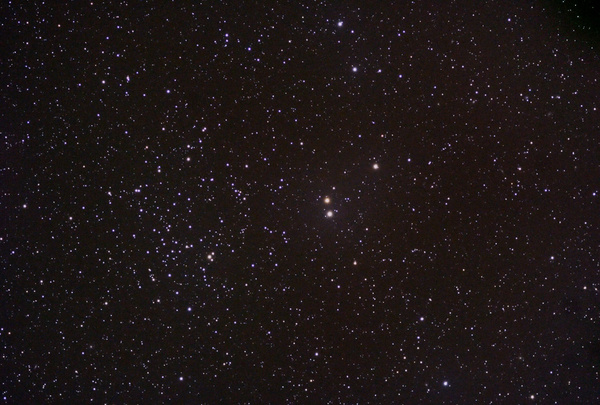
(301, 202)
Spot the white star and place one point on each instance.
(329, 214)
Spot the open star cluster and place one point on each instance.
(300, 202)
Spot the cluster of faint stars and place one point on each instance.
(185, 216)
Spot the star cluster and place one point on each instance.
(299, 202)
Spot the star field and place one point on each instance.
(300, 202)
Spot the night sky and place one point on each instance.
(300, 202)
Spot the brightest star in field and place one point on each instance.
(329, 214)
